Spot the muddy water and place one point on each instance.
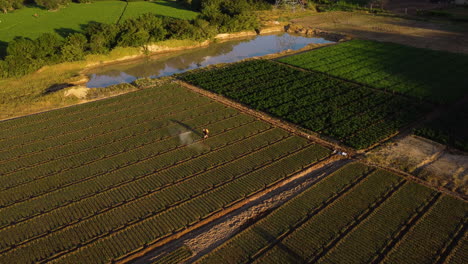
(181, 61)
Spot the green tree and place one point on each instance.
(74, 47)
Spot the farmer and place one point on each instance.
(205, 133)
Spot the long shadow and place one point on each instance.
(3, 49)
(189, 128)
(294, 257)
(65, 32)
(56, 87)
(173, 4)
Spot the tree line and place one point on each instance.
(25, 55)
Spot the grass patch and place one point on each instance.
(72, 18)
(28, 94)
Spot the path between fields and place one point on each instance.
(210, 236)
(327, 142)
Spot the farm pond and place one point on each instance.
(171, 63)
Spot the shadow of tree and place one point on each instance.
(65, 32)
(292, 256)
(56, 87)
(3, 49)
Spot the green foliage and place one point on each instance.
(450, 128)
(229, 16)
(421, 73)
(81, 180)
(356, 115)
(101, 38)
(74, 47)
(352, 216)
(52, 4)
(176, 256)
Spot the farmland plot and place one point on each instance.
(356, 115)
(356, 215)
(95, 182)
(450, 128)
(421, 73)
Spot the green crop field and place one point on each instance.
(22, 22)
(450, 128)
(434, 75)
(94, 182)
(356, 115)
(356, 215)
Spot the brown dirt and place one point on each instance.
(422, 34)
(210, 236)
(425, 159)
(410, 7)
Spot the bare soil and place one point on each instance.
(428, 160)
(417, 33)
(210, 236)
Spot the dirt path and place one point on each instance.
(210, 236)
(422, 34)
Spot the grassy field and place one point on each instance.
(356, 115)
(71, 18)
(421, 73)
(94, 182)
(356, 215)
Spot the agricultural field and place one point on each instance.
(421, 73)
(358, 214)
(451, 128)
(356, 115)
(22, 22)
(95, 182)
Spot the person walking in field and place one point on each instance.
(205, 133)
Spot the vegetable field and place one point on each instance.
(451, 128)
(356, 215)
(95, 182)
(356, 115)
(434, 75)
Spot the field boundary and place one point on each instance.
(329, 143)
(415, 179)
(165, 240)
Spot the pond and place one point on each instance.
(177, 62)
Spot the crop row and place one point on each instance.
(132, 226)
(143, 185)
(364, 244)
(146, 159)
(391, 66)
(437, 227)
(56, 175)
(382, 218)
(242, 247)
(356, 115)
(126, 113)
(450, 128)
(85, 111)
(77, 141)
(318, 235)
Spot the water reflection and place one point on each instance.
(177, 62)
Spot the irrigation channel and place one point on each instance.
(177, 62)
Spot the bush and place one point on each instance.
(74, 47)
